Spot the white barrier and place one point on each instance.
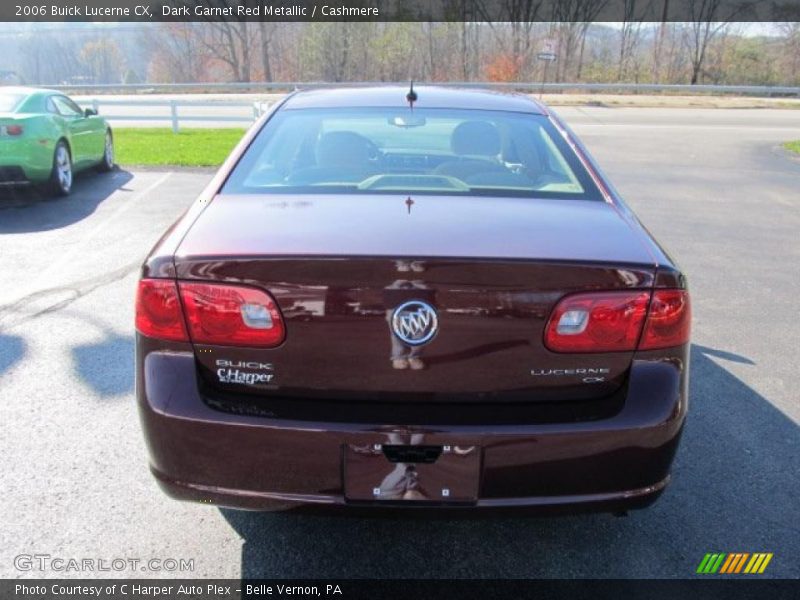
(174, 111)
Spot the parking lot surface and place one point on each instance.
(713, 186)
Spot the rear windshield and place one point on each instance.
(9, 102)
(424, 151)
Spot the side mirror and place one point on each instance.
(90, 112)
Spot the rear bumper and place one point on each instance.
(330, 504)
(22, 161)
(201, 454)
(12, 175)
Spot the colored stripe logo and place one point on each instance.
(734, 562)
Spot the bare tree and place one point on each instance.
(49, 58)
(629, 35)
(658, 46)
(430, 62)
(178, 54)
(709, 19)
(791, 43)
(574, 17)
(265, 36)
(463, 49)
(103, 59)
(518, 17)
(326, 51)
(227, 41)
(466, 14)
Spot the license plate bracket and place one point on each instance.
(377, 473)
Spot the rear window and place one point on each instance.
(9, 102)
(424, 151)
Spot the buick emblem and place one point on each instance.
(415, 322)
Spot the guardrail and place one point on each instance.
(632, 88)
(174, 111)
(173, 108)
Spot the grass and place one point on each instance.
(160, 146)
(793, 146)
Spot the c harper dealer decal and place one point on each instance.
(244, 372)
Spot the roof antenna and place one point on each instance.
(411, 96)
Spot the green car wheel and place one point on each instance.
(61, 177)
(108, 155)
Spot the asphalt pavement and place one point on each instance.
(712, 185)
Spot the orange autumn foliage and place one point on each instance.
(503, 68)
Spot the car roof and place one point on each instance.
(26, 91)
(427, 97)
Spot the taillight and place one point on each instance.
(231, 315)
(668, 321)
(158, 310)
(11, 130)
(597, 322)
(615, 321)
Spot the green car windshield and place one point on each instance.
(9, 102)
(424, 151)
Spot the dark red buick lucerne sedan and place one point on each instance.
(390, 297)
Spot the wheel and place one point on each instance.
(61, 176)
(107, 164)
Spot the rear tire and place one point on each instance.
(61, 176)
(107, 164)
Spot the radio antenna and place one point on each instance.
(411, 96)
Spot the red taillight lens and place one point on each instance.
(158, 310)
(668, 321)
(231, 315)
(597, 322)
(10, 129)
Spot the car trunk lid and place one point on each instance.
(338, 267)
(431, 226)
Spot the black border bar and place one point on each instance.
(542, 11)
(711, 587)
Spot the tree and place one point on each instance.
(103, 60)
(46, 59)
(791, 55)
(179, 56)
(397, 51)
(226, 41)
(658, 46)
(229, 42)
(573, 18)
(709, 19)
(519, 18)
(503, 68)
(130, 77)
(265, 35)
(629, 35)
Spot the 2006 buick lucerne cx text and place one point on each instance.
(391, 297)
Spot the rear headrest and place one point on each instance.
(475, 138)
(342, 149)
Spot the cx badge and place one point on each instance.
(415, 322)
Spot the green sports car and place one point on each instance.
(45, 138)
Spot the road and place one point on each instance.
(713, 186)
